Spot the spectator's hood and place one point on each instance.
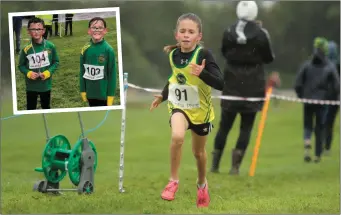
(320, 50)
(247, 10)
(333, 52)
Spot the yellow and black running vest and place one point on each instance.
(188, 92)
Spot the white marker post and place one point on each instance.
(123, 126)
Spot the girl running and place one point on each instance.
(188, 91)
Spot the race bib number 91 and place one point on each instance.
(38, 60)
(184, 96)
(93, 72)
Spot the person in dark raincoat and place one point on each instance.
(317, 79)
(246, 47)
(331, 110)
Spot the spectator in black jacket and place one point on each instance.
(334, 57)
(317, 79)
(246, 47)
(68, 23)
(56, 24)
(17, 25)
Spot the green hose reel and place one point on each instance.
(58, 159)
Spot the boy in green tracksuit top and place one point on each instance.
(38, 61)
(98, 67)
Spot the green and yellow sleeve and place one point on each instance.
(22, 64)
(112, 74)
(81, 79)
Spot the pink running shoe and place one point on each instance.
(169, 192)
(203, 199)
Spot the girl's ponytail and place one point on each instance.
(169, 48)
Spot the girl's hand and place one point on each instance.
(156, 102)
(197, 69)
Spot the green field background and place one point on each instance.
(283, 183)
(65, 82)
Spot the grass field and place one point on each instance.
(65, 85)
(283, 183)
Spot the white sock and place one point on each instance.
(177, 181)
(201, 185)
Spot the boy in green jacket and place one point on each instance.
(98, 67)
(38, 61)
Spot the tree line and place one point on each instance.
(147, 26)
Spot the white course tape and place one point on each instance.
(145, 89)
(308, 101)
(253, 99)
(236, 98)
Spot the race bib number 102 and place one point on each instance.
(93, 72)
(184, 96)
(38, 60)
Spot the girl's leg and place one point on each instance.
(199, 151)
(179, 126)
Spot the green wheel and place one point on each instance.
(54, 174)
(74, 165)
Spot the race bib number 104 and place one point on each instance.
(93, 72)
(184, 96)
(38, 60)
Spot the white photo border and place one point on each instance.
(65, 110)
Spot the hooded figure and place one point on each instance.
(246, 47)
(317, 79)
(333, 54)
(331, 110)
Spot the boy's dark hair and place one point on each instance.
(35, 20)
(96, 19)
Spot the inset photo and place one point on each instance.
(66, 60)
